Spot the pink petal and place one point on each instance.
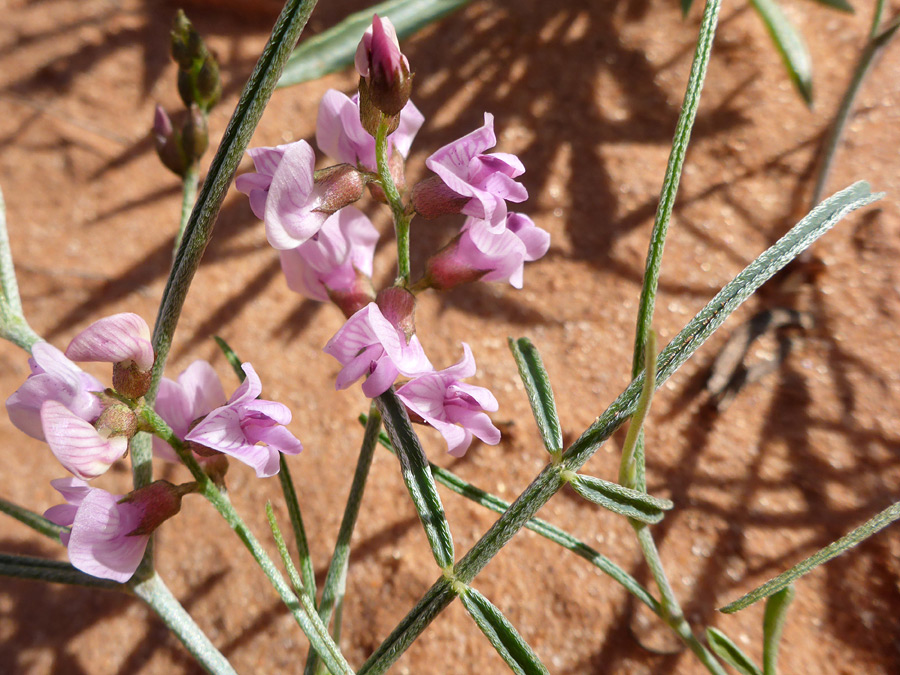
(99, 545)
(202, 388)
(281, 439)
(300, 276)
(291, 199)
(76, 444)
(381, 378)
(455, 156)
(465, 367)
(119, 338)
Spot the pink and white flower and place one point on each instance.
(368, 344)
(486, 180)
(332, 260)
(282, 193)
(484, 252)
(378, 53)
(53, 378)
(455, 409)
(197, 393)
(101, 542)
(340, 134)
(249, 429)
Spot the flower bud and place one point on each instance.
(384, 68)
(117, 420)
(168, 143)
(447, 268)
(156, 503)
(338, 186)
(195, 135)
(198, 72)
(432, 198)
(398, 306)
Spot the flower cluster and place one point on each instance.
(327, 245)
(88, 428)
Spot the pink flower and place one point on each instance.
(452, 407)
(77, 444)
(101, 542)
(237, 428)
(486, 179)
(53, 378)
(368, 344)
(340, 134)
(331, 261)
(197, 393)
(283, 194)
(120, 338)
(379, 50)
(482, 252)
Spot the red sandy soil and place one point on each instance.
(587, 94)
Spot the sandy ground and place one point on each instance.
(587, 94)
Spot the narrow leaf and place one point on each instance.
(730, 653)
(519, 656)
(833, 550)
(686, 7)
(41, 569)
(840, 5)
(231, 357)
(790, 45)
(417, 476)
(335, 48)
(773, 625)
(36, 522)
(540, 394)
(620, 499)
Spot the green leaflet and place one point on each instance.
(540, 394)
(729, 652)
(519, 656)
(790, 45)
(417, 476)
(783, 580)
(773, 624)
(620, 499)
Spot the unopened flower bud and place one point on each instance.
(117, 420)
(195, 135)
(384, 68)
(338, 186)
(168, 143)
(156, 502)
(398, 306)
(198, 72)
(432, 198)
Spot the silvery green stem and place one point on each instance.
(160, 599)
(13, 326)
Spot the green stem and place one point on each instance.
(190, 182)
(401, 219)
(672, 614)
(160, 599)
(336, 579)
(307, 573)
(303, 611)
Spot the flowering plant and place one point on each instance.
(317, 222)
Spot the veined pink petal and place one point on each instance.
(119, 338)
(99, 544)
(290, 219)
(76, 443)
